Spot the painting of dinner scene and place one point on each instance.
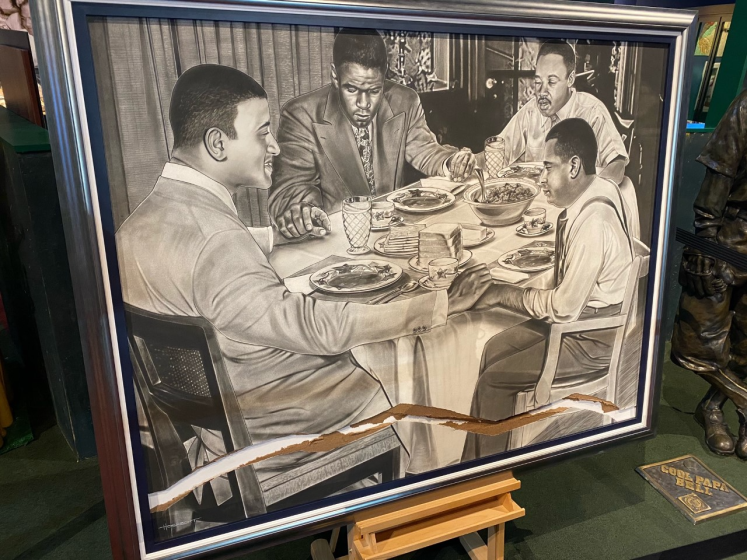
(350, 257)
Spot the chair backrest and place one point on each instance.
(630, 202)
(183, 372)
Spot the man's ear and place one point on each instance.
(333, 75)
(571, 78)
(213, 140)
(575, 167)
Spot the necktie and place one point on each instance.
(560, 248)
(363, 141)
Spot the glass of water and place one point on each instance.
(356, 221)
(495, 155)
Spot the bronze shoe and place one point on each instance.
(718, 436)
(742, 441)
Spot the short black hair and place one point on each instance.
(206, 96)
(561, 48)
(575, 138)
(361, 46)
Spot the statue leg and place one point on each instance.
(701, 343)
(710, 416)
(738, 367)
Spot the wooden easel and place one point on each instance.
(413, 523)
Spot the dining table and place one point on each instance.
(438, 368)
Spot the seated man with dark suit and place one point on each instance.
(353, 137)
(593, 254)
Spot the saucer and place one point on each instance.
(547, 228)
(394, 221)
(426, 283)
(416, 265)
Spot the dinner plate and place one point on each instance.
(353, 277)
(530, 170)
(415, 265)
(421, 200)
(531, 258)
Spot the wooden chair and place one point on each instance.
(182, 383)
(549, 390)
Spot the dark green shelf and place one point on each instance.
(22, 135)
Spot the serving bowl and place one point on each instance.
(499, 213)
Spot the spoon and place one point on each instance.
(481, 178)
(403, 289)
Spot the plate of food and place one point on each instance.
(355, 277)
(421, 199)
(529, 170)
(530, 258)
(474, 235)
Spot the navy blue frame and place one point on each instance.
(81, 13)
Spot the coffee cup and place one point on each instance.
(442, 272)
(534, 219)
(381, 214)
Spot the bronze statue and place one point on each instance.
(710, 330)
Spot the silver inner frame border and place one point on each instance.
(569, 17)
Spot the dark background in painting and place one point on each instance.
(469, 85)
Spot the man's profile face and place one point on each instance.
(249, 157)
(556, 177)
(552, 84)
(360, 89)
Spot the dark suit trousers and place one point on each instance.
(512, 362)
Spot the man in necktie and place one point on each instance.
(555, 99)
(353, 137)
(593, 256)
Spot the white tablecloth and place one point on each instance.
(439, 368)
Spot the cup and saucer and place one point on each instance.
(547, 227)
(441, 273)
(534, 223)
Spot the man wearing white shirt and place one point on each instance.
(593, 255)
(183, 251)
(554, 100)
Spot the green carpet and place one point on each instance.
(589, 507)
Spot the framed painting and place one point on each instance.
(328, 255)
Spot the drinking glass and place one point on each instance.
(356, 221)
(495, 155)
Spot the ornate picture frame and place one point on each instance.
(109, 72)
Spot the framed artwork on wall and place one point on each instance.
(297, 298)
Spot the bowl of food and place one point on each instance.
(507, 199)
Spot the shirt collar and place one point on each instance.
(598, 187)
(564, 112)
(186, 174)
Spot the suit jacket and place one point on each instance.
(185, 252)
(319, 160)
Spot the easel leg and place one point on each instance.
(496, 542)
(333, 538)
(351, 552)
